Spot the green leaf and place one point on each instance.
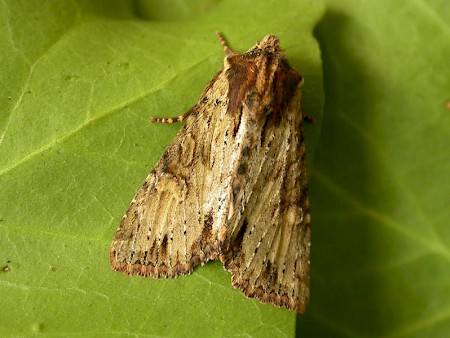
(80, 80)
(380, 188)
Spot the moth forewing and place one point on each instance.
(231, 186)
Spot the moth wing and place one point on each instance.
(167, 229)
(266, 246)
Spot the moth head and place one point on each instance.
(260, 79)
(269, 45)
(268, 49)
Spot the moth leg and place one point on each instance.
(224, 44)
(173, 119)
(309, 119)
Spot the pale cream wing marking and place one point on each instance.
(169, 226)
(266, 246)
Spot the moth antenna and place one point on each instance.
(172, 119)
(224, 44)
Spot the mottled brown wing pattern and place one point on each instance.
(267, 241)
(266, 246)
(232, 186)
(168, 228)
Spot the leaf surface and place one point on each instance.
(80, 80)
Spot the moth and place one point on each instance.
(232, 186)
